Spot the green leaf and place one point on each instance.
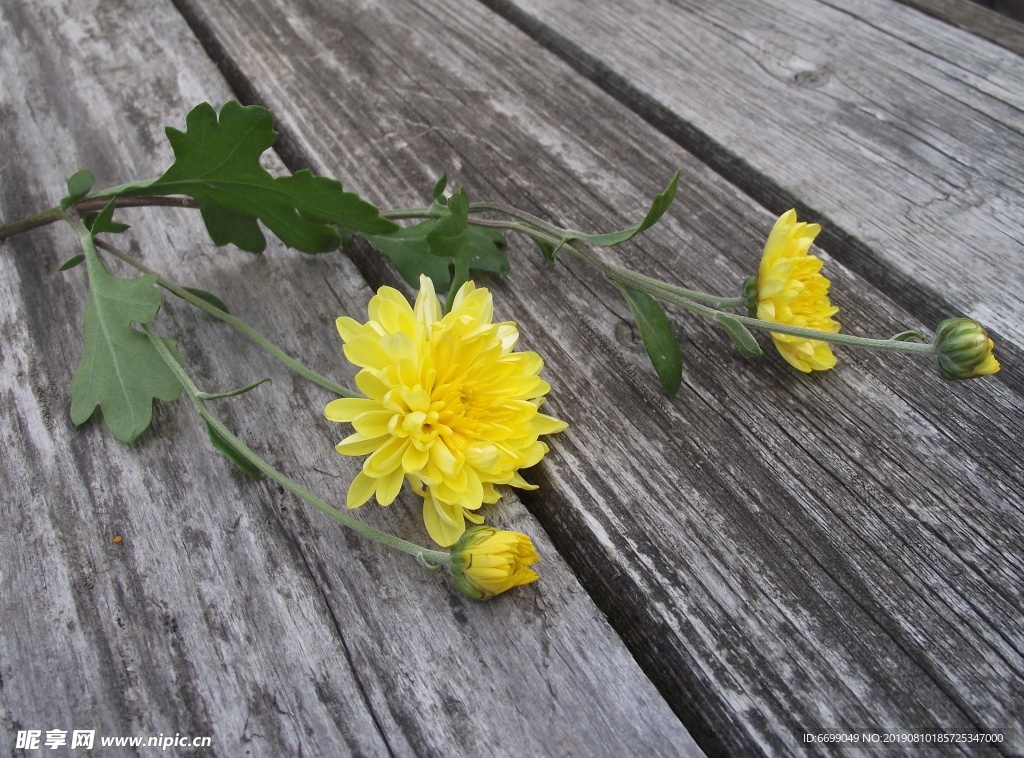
(548, 250)
(217, 163)
(209, 297)
(438, 192)
(657, 334)
(233, 393)
(740, 335)
(121, 372)
(407, 249)
(908, 336)
(71, 262)
(485, 251)
(78, 187)
(658, 207)
(104, 221)
(448, 239)
(233, 454)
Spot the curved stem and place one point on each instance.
(421, 553)
(243, 327)
(529, 219)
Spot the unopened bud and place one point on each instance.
(964, 349)
(488, 561)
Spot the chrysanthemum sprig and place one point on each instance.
(788, 298)
(483, 564)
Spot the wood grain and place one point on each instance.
(1002, 23)
(227, 608)
(781, 553)
(905, 134)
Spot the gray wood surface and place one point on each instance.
(994, 21)
(780, 554)
(902, 131)
(229, 609)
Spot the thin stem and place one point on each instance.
(701, 303)
(849, 340)
(89, 206)
(421, 553)
(398, 214)
(634, 277)
(528, 219)
(216, 312)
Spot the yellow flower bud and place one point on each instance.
(488, 561)
(964, 349)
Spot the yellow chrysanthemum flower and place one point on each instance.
(488, 561)
(790, 289)
(449, 407)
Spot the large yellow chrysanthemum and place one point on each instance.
(791, 290)
(449, 406)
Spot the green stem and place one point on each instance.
(529, 220)
(89, 205)
(398, 214)
(627, 277)
(421, 553)
(702, 303)
(637, 279)
(243, 327)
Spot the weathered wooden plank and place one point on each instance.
(783, 554)
(228, 609)
(989, 20)
(903, 132)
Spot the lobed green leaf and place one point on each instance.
(217, 163)
(121, 372)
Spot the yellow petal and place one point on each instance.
(543, 424)
(357, 444)
(444, 524)
(389, 486)
(360, 490)
(387, 457)
(347, 408)
(427, 308)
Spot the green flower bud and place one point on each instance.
(488, 561)
(964, 350)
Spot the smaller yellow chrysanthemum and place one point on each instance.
(790, 289)
(488, 561)
(449, 407)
